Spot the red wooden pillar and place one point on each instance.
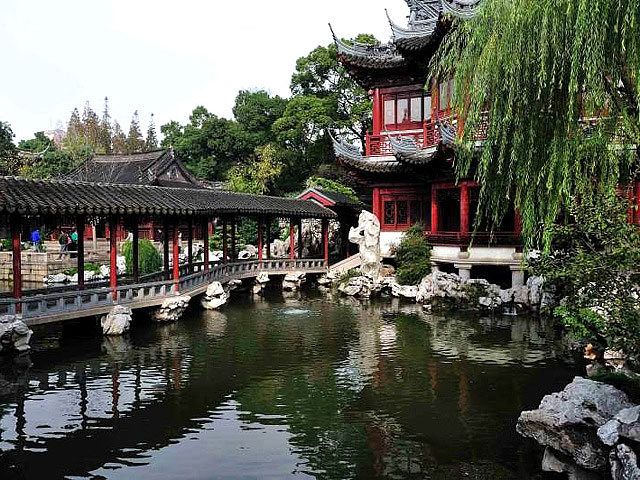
(434, 210)
(260, 229)
(517, 224)
(376, 203)
(165, 246)
(464, 209)
(17, 260)
(224, 240)
(176, 253)
(113, 254)
(292, 248)
(636, 203)
(325, 239)
(190, 244)
(234, 254)
(377, 111)
(80, 224)
(268, 232)
(135, 256)
(299, 237)
(205, 240)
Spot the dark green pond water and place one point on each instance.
(304, 387)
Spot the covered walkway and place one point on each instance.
(26, 202)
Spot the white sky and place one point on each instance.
(161, 57)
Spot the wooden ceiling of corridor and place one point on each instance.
(67, 197)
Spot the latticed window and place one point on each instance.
(400, 212)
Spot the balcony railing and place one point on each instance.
(479, 238)
(428, 136)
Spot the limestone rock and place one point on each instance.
(367, 236)
(56, 278)
(558, 463)
(405, 291)
(324, 280)
(625, 424)
(624, 463)
(262, 277)
(567, 421)
(293, 281)
(14, 334)
(215, 296)
(104, 270)
(172, 309)
(362, 286)
(117, 321)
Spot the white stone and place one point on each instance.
(14, 334)
(215, 296)
(263, 277)
(117, 321)
(405, 291)
(104, 270)
(624, 463)
(293, 281)
(625, 424)
(362, 286)
(121, 265)
(56, 278)
(367, 236)
(172, 309)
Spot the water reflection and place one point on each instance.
(281, 387)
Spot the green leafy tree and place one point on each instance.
(209, 145)
(259, 175)
(320, 75)
(91, 124)
(119, 139)
(9, 161)
(592, 266)
(106, 129)
(538, 68)
(135, 141)
(256, 112)
(47, 160)
(151, 143)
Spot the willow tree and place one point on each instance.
(535, 70)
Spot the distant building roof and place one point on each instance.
(328, 198)
(159, 167)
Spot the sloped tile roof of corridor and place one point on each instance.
(59, 197)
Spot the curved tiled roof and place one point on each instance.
(60, 197)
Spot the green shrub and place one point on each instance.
(349, 274)
(413, 257)
(6, 245)
(88, 267)
(149, 259)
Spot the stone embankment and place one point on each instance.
(590, 430)
(445, 290)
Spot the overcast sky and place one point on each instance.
(161, 57)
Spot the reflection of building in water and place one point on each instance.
(461, 339)
(216, 323)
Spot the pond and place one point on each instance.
(308, 386)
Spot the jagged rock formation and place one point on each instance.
(293, 281)
(569, 421)
(215, 296)
(172, 309)
(367, 236)
(117, 321)
(14, 334)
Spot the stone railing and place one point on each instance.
(70, 303)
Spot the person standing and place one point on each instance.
(64, 241)
(35, 240)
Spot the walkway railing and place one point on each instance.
(153, 289)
